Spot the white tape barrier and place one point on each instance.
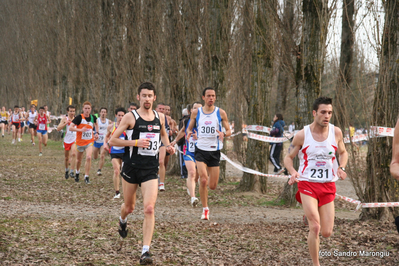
(267, 138)
(250, 171)
(382, 131)
(368, 205)
(258, 128)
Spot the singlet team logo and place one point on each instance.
(150, 136)
(320, 164)
(208, 123)
(149, 127)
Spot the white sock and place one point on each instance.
(86, 176)
(66, 169)
(145, 249)
(72, 171)
(77, 171)
(192, 198)
(123, 220)
(205, 208)
(161, 183)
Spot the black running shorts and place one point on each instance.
(31, 125)
(210, 158)
(116, 156)
(17, 125)
(136, 175)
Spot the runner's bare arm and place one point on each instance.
(394, 167)
(128, 121)
(343, 154)
(164, 136)
(73, 127)
(61, 124)
(180, 135)
(225, 123)
(192, 123)
(107, 136)
(35, 120)
(293, 150)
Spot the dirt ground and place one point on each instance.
(45, 219)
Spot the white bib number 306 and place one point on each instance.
(153, 148)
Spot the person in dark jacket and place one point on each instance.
(275, 148)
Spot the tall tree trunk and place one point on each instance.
(345, 64)
(259, 100)
(380, 186)
(309, 70)
(286, 71)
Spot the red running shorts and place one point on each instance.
(323, 192)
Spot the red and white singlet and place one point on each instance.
(318, 162)
(41, 122)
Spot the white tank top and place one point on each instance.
(32, 116)
(15, 118)
(318, 162)
(102, 130)
(207, 124)
(70, 136)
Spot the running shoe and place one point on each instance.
(117, 196)
(99, 172)
(2, 136)
(279, 172)
(13, 141)
(19, 139)
(66, 175)
(87, 180)
(40, 154)
(77, 177)
(33, 144)
(71, 175)
(122, 229)
(161, 187)
(205, 215)
(194, 202)
(145, 259)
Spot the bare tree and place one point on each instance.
(380, 186)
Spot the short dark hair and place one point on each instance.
(120, 109)
(16, 106)
(207, 89)
(133, 104)
(41, 108)
(148, 86)
(161, 103)
(189, 107)
(103, 108)
(321, 100)
(279, 117)
(70, 107)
